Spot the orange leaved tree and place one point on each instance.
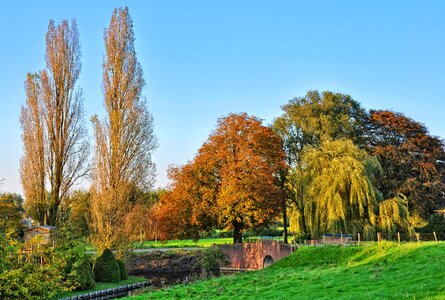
(232, 183)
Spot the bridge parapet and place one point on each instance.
(254, 256)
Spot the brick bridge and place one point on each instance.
(254, 256)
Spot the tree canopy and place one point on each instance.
(316, 116)
(11, 212)
(410, 158)
(232, 183)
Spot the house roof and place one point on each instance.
(47, 227)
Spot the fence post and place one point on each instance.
(418, 237)
(324, 239)
(435, 236)
(398, 237)
(379, 237)
(358, 236)
(341, 238)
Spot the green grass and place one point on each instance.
(103, 286)
(202, 243)
(182, 243)
(388, 271)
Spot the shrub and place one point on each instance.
(76, 269)
(211, 259)
(122, 269)
(106, 268)
(30, 281)
(81, 276)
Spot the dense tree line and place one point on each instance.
(326, 161)
(345, 170)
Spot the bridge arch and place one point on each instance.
(267, 261)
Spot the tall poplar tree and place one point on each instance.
(124, 139)
(54, 136)
(32, 164)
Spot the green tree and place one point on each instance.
(77, 213)
(307, 121)
(317, 116)
(11, 213)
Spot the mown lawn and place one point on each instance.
(202, 243)
(388, 271)
(103, 286)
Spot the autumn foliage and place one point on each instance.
(231, 184)
(409, 157)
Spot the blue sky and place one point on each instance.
(205, 59)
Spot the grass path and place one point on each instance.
(389, 271)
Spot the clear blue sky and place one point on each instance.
(205, 59)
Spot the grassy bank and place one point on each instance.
(388, 271)
(103, 286)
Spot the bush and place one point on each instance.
(81, 275)
(122, 269)
(30, 281)
(106, 268)
(211, 259)
(76, 271)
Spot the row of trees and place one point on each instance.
(56, 145)
(400, 165)
(334, 166)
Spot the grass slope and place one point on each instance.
(388, 271)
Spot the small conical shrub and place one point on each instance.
(106, 268)
(123, 270)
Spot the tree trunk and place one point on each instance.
(303, 222)
(284, 220)
(237, 234)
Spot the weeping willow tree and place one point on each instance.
(335, 184)
(394, 215)
(339, 195)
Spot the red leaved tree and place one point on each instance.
(410, 158)
(232, 183)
